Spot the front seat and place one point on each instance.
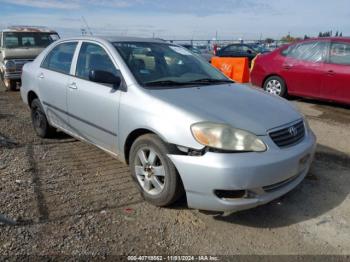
(137, 65)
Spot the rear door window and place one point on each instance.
(11, 41)
(28, 41)
(310, 51)
(340, 53)
(232, 48)
(60, 58)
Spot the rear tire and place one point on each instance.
(154, 173)
(13, 85)
(41, 126)
(276, 85)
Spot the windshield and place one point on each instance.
(259, 48)
(193, 49)
(162, 64)
(28, 39)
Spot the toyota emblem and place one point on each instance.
(293, 131)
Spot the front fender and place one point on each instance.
(171, 124)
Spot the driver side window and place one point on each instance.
(93, 57)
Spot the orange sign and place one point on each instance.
(235, 68)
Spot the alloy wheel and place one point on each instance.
(149, 171)
(274, 87)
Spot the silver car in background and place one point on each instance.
(180, 124)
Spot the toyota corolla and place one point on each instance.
(180, 124)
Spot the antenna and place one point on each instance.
(86, 24)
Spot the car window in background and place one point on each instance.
(340, 53)
(60, 58)
(155, 62)
(10, 40)
(245, 49)
(232, 48)
(310, 51)
(260, 49)
(25, 39)
(28, 41)
(93, 57)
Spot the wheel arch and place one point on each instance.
(135, 134)
(31, 96)
(131, 139)
(273, 74)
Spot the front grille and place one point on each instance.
(290, 135)
(20, 63)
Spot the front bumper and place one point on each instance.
(279, 169)
(12, 75)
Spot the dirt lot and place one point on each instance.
(71, 198)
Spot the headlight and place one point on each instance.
(10, 65)
(225, 137)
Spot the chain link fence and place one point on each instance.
(209, 44)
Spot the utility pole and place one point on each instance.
(86, 24)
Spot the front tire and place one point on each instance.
(154, 173)
(10, 86)
(275, 85)
(41, 126)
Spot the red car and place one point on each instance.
(315, 68)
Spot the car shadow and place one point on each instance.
(326, 186)
(334, 105)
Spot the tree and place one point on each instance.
(289, 39)
(341, 34)
(336, 34)
(306, 37)
(325, 34)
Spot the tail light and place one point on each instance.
(253, 62)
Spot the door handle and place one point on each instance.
(287, 67)
(330, 72)
(73, 86)
(41, 76)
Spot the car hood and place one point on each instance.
(21, 53)
(238, 105)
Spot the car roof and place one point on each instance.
(337, 39)
(28, 29)
(115, 39)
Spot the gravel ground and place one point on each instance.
(70, 198)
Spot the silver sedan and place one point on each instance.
(180, 124)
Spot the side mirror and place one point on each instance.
(104, 77)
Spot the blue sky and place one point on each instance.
(182, 19)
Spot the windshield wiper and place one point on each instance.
(166, 83)
(210, 81)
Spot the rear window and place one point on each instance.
(315, 51)
(340, 53)
(60, 58)
(28, 39)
